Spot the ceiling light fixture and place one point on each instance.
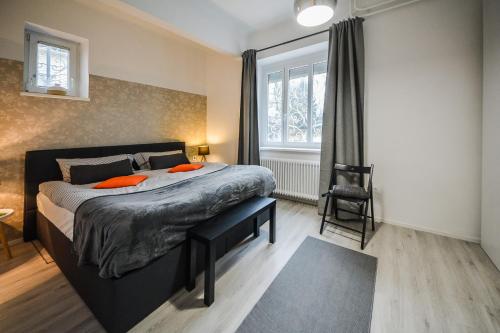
(311, 13)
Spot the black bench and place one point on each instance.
(209, 232)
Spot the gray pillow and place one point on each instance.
(66, 163)
(142, 159)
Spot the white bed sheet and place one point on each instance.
(62, 218)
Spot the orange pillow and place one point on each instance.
(185, 167)
(122, 181)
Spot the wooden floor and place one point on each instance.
(425, 283)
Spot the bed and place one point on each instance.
(122, 294)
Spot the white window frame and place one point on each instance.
(32, 40)
(285, 66)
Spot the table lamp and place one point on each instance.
(203, 151)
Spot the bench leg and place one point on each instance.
(209, 274)
(256, 227)
(191, 265)
(272, 224)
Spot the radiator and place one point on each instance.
(294, 179)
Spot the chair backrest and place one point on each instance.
(361, 170)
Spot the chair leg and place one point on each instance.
(364, 225)
(335, 204)
(373, 214)
(361, 209)
(324, 215)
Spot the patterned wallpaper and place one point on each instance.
(119, 112)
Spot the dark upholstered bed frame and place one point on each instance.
(121, 303)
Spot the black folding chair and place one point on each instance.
(351, 193)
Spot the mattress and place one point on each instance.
(62, 218)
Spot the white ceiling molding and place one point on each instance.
(197, 20)
(370, 7)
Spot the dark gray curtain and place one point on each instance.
(248, 145)
(342, 134)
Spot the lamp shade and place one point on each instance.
(203, 150)
(311, 13)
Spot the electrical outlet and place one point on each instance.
(195, 158)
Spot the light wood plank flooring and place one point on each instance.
(425, 283)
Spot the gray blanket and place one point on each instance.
(119, 233)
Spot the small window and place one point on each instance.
(55, 61)
(291, 102)
(52, 66)
(52, 62)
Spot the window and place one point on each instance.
(298, 105)
(291, 99)
(318, 100)
(52, 66)
(274, 107)
(55, 59)
(52, 62)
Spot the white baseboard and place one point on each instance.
(430, 230)
(419, 228)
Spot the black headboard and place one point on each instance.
(41, 166)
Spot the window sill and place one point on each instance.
(74, 98)
(294, 150)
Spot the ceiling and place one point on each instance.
(257, 14)
(231, 26)
(223, 25)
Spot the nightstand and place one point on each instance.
(5, 213)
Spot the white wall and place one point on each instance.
(223, 107)
(120, 47)
(490, 227)
(423, 112)
(423, 115)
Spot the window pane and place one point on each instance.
(297, 104)
(274, 106)
(52, 66)
(41, 66)
(318, 100)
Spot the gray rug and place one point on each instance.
(322, 288)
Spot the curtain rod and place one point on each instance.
(293, 40)
(303, 37)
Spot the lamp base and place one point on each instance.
(203, 158)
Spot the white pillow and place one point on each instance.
(142, 159)
(66, 163)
